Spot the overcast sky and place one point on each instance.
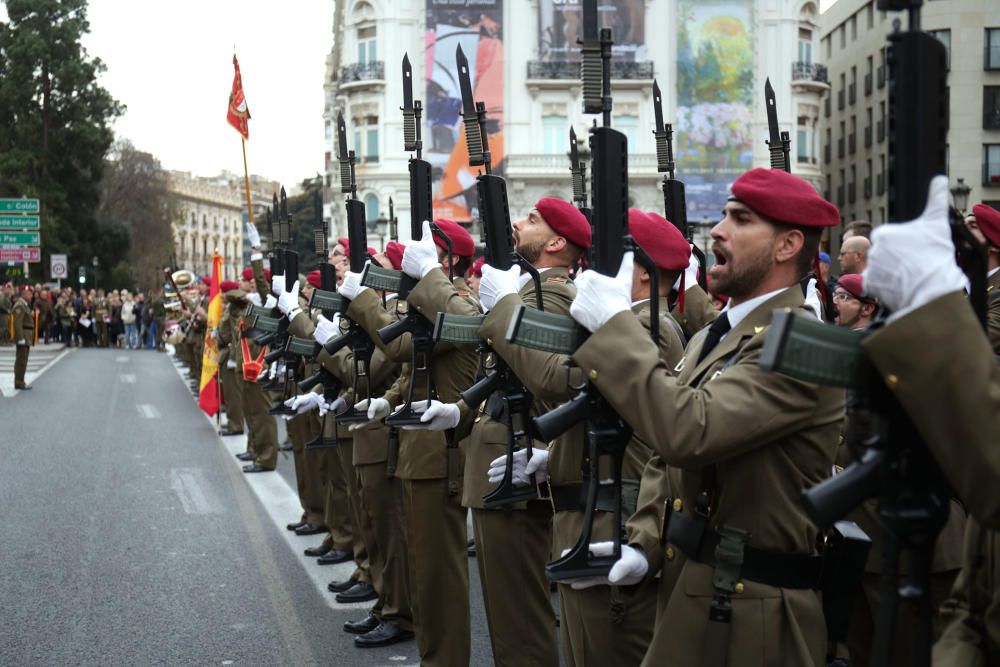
(171, 64)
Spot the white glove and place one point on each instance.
(690, 273)
(421, 257)
(271, 302)
(253, 236)
(335, 406)
(289, 301)
(351, 287)
(378, 410)
(438, 417)
(600, 297)
(538, 464)
(496, 284)
(254, 298)
(275, 369)
(629, 569)
(231, 363)
(912, 264)
(325, 330)
(278, 284)
(22, 342)
(813, 300)
(306, 402)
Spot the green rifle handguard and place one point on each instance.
(548, 332)
(305, 347)
(265, 323)
(255, 310)
(458, 329)
(378, 278)
(806, 349)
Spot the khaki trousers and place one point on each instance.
(359, 547)
(263, 429)
(382, 526)
(337, 509)
(607, 625)
(232, 395)
(20, 364)
(437, 551)
(512, 547)
(309, 464)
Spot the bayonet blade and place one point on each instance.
(341, 137)
(407, 83)
(284, 204)
(772, 113)
(657, 106)
(574, 155)
(344, 157)
(470, 116)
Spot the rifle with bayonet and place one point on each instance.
(578, 178)
(893, 464)
(500, 253)
(284, 344)
(778, 143)
(606, 433)
(355, 338)
(421, 209)
(674, 204)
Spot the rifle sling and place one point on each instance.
(765, 567)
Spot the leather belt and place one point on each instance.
(698, 541)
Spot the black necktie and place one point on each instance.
(720, 327)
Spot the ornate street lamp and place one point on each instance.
(960, 195)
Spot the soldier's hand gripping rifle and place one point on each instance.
(421, 209)
(500, 254)
(894, 464)
(674, 204)
(355, 338)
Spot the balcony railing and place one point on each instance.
(991, 174)
(561, 70)
(373, 71)
(557, 163)
(991, 120)
(803, 71)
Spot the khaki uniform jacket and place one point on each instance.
(24, 322)
(953, 399)
(766, 437)
(698, 311)
(422, 454)
(486, 438)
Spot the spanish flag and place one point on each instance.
(208, 395)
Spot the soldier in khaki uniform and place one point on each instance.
(6, 304)
(743, 442)
(229, 349)
(24, 335)
(101, 311)
(430, 468)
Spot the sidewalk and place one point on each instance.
(39, 359)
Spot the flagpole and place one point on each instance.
(246, 179)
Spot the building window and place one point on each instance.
(366, 45)
(366, 139)
(802, 141)
(870, 15)
(854, 27)
(991, 108)
(991, 164)
(944, 36)
(992, 55)
(627, 125)
(371, 211)
(554, 135)
(805, 46)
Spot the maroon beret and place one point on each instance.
(313, 278)
(988, 221)
(663, 242)
(394, 251)
(565, 220)
(782, 197)
(205, 280)
(228, 286)
(477, 267)
(853, 284)
(343, 240)
(248, 273)
(462, 244)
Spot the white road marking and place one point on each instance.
(194, 497)
(121, 360)
(127, 378)
(148, 410)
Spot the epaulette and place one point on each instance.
(560, 281)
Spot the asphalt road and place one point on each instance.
(130, 536)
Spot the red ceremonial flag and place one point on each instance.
(208, 395)
(238, 114)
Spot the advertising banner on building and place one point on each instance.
(715, 70)
(476, 25)
(560, 25)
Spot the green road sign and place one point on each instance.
(9, 222)
(19, 206)
(20, 238)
